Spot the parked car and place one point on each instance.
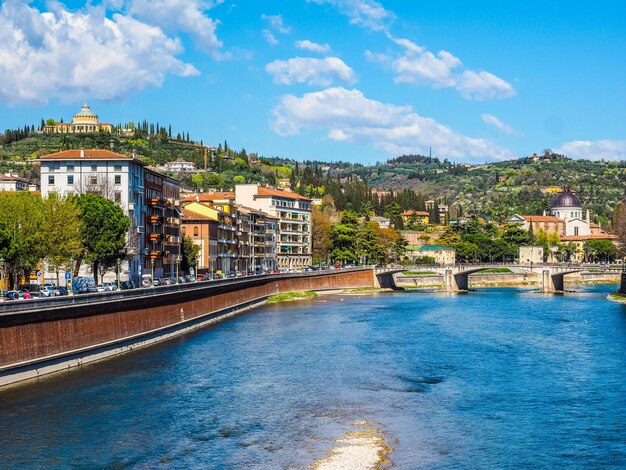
(47, 291)
(61, 290)
(127, 285)
(11, 295)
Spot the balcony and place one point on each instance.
(155, 219)
(154, 254)
(226, 227)
(155, 201)
(172, 239)
(154, 237)
(172, 221)
(226, 255)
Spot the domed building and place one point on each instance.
(568, 208)
(84, 121)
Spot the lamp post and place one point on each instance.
(67, 283)
(152, 267)
(119, 262)
(2, 275)
(177, 263)
(196, 269)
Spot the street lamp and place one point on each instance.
(71, 275)
(177, 263)
(196, 269)
(119, 262)
(152, 266)
(2, 274)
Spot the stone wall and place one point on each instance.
(52, 333)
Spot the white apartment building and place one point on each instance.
(293, 213)
(115, 176)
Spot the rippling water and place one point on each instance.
(499, 378)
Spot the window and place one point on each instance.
(70, 179)
(94, 167)
(93, 180)
(118, 179)
(70, 167)
(51, 180)
(195, 231)
(184, 230)
(117, 167)
(118, 197)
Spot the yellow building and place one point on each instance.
(420, 217)
(83, 121)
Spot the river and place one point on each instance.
(497, 378)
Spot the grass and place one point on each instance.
(617, 297)
(288, 296)
(418, 273)
(496, 271)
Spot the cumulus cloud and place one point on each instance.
(276, 22)
(269, 37)
(312, 46)
(365, 13)
(312, 71)
(79, 55)
(417, 65)
(594, 149)
(347, 115)
(497, 123)
(188, 16)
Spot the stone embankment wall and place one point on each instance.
(43, 337)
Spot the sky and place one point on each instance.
(330, 80)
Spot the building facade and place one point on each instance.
(293, 214)
(123, 179)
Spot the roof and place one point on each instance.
(435, 248)
(542, 218)
(85, 110)
(379, 219)
(567, 199)
(89, 154)
(410, 213)
(582, 238)
(13, 178)
(191, 215)
(208, 197)
(271, 192)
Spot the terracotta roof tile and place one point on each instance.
(269, 192)
(208, 197)
(93, 154)
(410, 213)
(542, 218)
(191, 215)
(597, 236)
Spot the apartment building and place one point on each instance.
(293, 216)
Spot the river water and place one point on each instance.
(498, 378)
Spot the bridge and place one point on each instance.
(456, 278)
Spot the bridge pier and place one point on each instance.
(455, 282)
(552, 283)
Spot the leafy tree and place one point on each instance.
(466, 251)
(516, 235)
(197, 180)
(190, 253)
(239, 179)
(321, 235)
(103, 228)
(600, 250)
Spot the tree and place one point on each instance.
(190, 253)
(61, 225)
(599, 250)
(103, 229)
(197, 180)
(321, 235)
(239, 179)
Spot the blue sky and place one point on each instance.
(356, 80)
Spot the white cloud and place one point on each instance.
(419, 66)
(269, 37)
(594, 149)
(276, 22)
(483, 85)
(313, 46)
(497, 123)
(187, 16)
(347, 115)
(312, 71)
(80, 55)
(366, 13)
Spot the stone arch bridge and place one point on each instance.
(456, 278)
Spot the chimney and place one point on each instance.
(112, 144)
(82, 152)
(588, 219)
(134, 154)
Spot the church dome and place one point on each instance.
(567, 199)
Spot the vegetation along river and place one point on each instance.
(498, 378)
